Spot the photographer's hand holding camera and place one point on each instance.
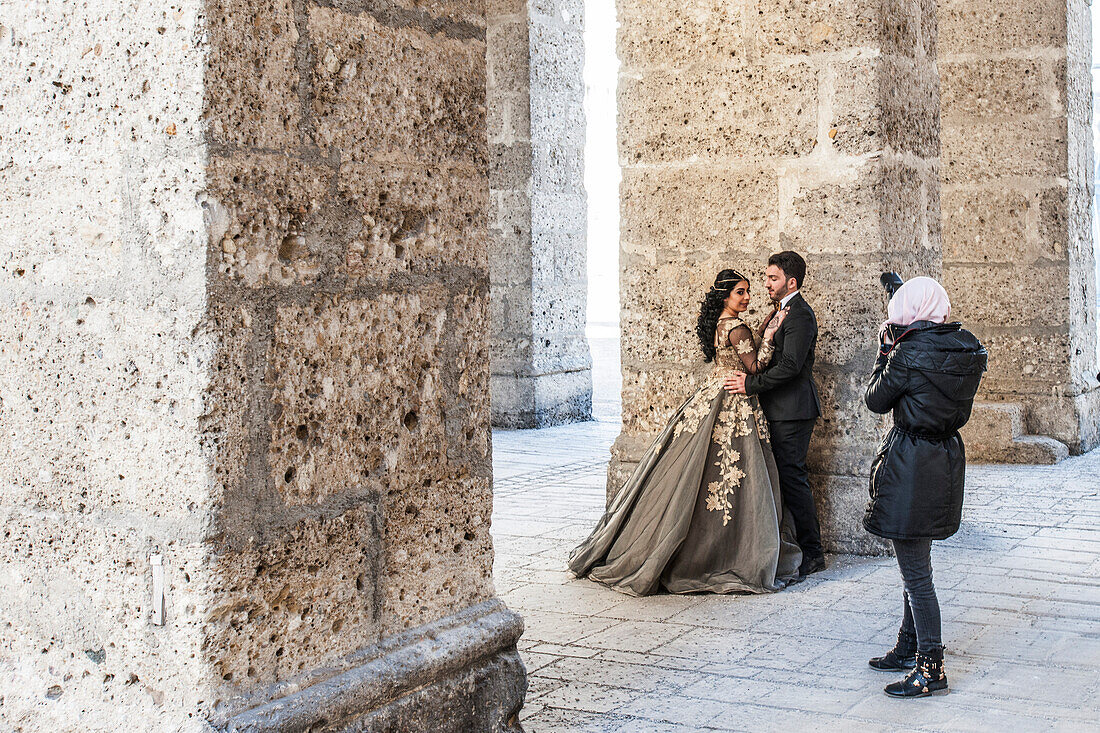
(927, 373)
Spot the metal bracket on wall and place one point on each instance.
(157, 561)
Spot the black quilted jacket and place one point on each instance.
(929, 380)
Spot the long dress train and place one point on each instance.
(702, 510)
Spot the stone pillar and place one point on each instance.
(1017, 204)
(747, 128)
(246, 346)
(541, 365)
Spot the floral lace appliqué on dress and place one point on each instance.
(737, 418)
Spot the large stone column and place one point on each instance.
(541, 367)
(751, 127)
(246, 347)
(1017, 208)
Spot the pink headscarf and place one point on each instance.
(919, 299)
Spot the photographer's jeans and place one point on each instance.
(922, 608)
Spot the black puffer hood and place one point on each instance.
(955, 356)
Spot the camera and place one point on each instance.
(891, 281)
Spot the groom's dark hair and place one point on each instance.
(791, 263)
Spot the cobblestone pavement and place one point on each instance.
(1019, 586)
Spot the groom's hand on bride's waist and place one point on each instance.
(736, 383)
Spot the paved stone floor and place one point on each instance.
(1019, 586)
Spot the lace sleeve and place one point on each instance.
(741, 340)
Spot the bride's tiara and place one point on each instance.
(737, 279)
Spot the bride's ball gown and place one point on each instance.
(702, 510)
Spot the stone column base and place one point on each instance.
(461, 673)
(542, 401)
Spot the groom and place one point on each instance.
(789, 399)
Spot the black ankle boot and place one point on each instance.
(902, 657)
(927, 679)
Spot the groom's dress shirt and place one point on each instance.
(786, 388)
(787, 299)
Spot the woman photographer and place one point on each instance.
(927, 373)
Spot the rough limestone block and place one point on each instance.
(980, 225)
(988, 150)
(849, 306)
(93, 656)
(269, 223)
(409, 219)
(847, 431)
(559, 211)
(650, 397)
(432, 88)
(301, 597)
(871, 110)
(754, 111)
(556, 167)
(687, 209)
(438, 550)
(504, 7)
(841, 503)
(1024, 361)
(507, 51)
(793, 27)
(557, 69)
(661, 310)
(1005, 25)
(991, 87)
(225, 425)
(565, 353)
(966, 286)
(679, 35)
(88, 393)
(358, 395)
(461, 17)
(252, 73)
(830, 210)
(510, 166)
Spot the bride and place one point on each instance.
(702, 511)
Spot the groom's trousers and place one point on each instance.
(790, 442)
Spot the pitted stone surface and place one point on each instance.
(266, 218)
(1015, 205)
(296, 602)
(260, 108)
(432, 88)
(411, 219)
(356, 387)
(438, 550)
(102, 364)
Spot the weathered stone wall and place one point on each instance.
(746, 128)
(246, 245)
(540, 361)
(1017, 203)
(103, 364)
(348, 261)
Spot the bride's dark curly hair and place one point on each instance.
(712, 306)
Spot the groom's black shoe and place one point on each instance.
(811, 565)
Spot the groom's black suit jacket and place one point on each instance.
(786, 388)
